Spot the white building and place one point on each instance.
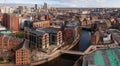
(107, 38)
(6, 9)
(22, 22)
(2, 27)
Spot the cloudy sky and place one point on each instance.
(69, 3)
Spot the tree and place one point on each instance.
(20, 34)
(1, 59)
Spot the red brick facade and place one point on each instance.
(11, 21)
(95, 38)
(22, 57)
(14, 23)
(8, 43)
(43, 24)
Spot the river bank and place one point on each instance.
(67, 59)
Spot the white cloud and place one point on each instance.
(73, 5)
(100, 0)
(74, 1)
(80, 0)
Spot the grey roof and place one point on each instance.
(36, 32)
(25, 44)
(72, 23)
(48, 30)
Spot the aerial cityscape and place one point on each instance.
(59, 33)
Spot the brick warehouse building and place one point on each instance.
(43, 24)
(95, 37)
(8, 42)
(11, 21)
(43, 37)
(37, 39)
(54, 33)
(23, 55)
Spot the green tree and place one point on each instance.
(20, 34)
(1, 59)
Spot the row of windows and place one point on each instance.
(41, 25)
(22, 62)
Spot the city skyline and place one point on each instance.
(68, 3)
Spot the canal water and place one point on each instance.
(67, 59)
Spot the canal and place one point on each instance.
(69, 60)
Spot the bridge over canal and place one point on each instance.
(72, 52)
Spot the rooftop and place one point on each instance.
(48, 30)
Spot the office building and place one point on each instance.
(36, 6)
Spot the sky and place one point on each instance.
(69, 3)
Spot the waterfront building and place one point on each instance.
(37, 39)
(107, 38)
(103, 24)
(8, 42)
(68, 35)
(74, 27)
(95, 37)
(55, 35)
(43, 37)
(23, 55)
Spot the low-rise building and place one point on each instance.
(43, 37)
(55, 35)
(38, 39)
(2, 28)
(23, 55)
(43, 24)
(107, 38)
(8, 42)
(95, 37)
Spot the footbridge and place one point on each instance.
(72, 52)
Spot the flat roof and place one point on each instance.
(103, 57)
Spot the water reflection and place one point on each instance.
(69, 60)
